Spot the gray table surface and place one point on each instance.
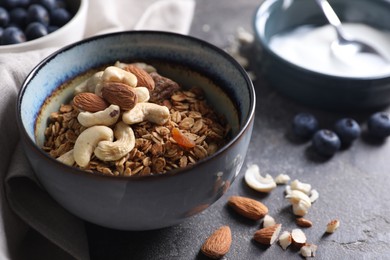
(353, 185)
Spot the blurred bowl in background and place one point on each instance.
(71, 32)
(305, 84)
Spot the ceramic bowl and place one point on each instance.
(71, 32)
(145, 202)
(305, 85)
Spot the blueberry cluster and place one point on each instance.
(25, 20)
(346, 130)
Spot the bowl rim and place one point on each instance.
(262, 12)
(74, 170)
(24, 46)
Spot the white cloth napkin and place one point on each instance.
(24, 206)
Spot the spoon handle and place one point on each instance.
(332, 17)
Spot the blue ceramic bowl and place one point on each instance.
(310, 87)
(145, 202)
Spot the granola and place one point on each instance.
(156, 151)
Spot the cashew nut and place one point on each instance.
(146, 111)
(142, 94)
(296, 196)
(89, 84)
(106, 117)
(87, 141)
(67, 158)
(257, 182)
(301, 208)
(300, 202)
(304, 187)
(112, 151)
(116, 74)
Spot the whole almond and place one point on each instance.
(119, 94)
(144, 79)
(247, 207)
(267, 235)
(89, 102)
(302, 222)
(218, 244)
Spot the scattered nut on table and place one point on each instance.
(332, 226)
(256, 181)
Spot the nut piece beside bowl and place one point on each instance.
(138, 202)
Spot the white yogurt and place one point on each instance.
(309, 47)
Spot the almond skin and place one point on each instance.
(298, 237)
(218, 244)
(119, 94)
(89, 102)
(144, 79)
(302, 222)
(267, 235)
(247, 207)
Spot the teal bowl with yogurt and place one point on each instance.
(293, 41)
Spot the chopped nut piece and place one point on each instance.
(298, 237)
(304, 187)
(314, 195)
(308, 250)
(267, 235)
(332, 226)
(285, 240)
(282, 179)
(268, 221)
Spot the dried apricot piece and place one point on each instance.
(182, 139)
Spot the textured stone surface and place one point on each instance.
(353, 185)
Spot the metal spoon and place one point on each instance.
(344, 44)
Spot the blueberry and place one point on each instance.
(11, 3)
(48, 4)
(347, 129)
(38, 13)
(18, 17)
(12, 35)
(1, 33)
(378, 125)
(24, 3)
(60, 4)
(52, 28)
(35, 30)
(4, 17)
(304, 125)
(60, 16)
(326, 142)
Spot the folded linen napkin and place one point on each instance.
(34, 226)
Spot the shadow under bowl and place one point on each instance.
(139, 202)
